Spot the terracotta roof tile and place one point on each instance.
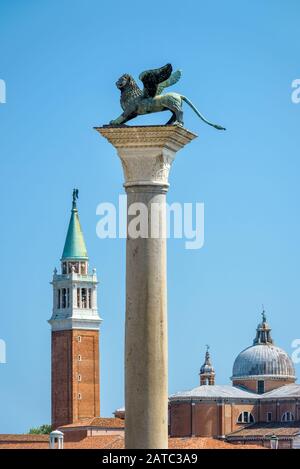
(112, 442)
(205, 443)
(23, 437)
(103, 422)
(268, 429)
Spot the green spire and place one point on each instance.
(74, 246)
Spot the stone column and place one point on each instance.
(146, 154)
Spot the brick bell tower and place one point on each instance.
(75, 388)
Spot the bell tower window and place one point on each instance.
(64, 297)
(90, 298)
(84, 297)
(73, 267)
(58, 299)
(83, 269)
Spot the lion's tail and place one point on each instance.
(219, 127)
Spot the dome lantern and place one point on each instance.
(263, 332)
(207, 372)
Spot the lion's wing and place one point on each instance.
(152, 78)
(174, 78)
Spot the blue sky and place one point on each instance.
(60, 60)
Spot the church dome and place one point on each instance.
(263, 359)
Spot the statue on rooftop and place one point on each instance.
(135, 101)
(75, 196)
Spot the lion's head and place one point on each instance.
(129, 89)
(124, 80)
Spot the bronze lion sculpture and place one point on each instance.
(135, 101)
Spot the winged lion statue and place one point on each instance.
(135, 101)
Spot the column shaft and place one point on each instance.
(146, 348)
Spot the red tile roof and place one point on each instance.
(258, 430)
(111, 442)
(191, 443)
(23, 438)
(206, 443)
(101, 422)
(24, 441)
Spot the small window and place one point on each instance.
(260, 387)
(64, 268)
(79, 397)
(269, 417)
(245, 417)
(79, 358)
(287, 417)
(78, 377)
(79, 338)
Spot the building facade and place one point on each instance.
(75, 322)
(263, 396)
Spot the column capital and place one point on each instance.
(147, 152)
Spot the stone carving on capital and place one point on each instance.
(154, 170)
(163, 166)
